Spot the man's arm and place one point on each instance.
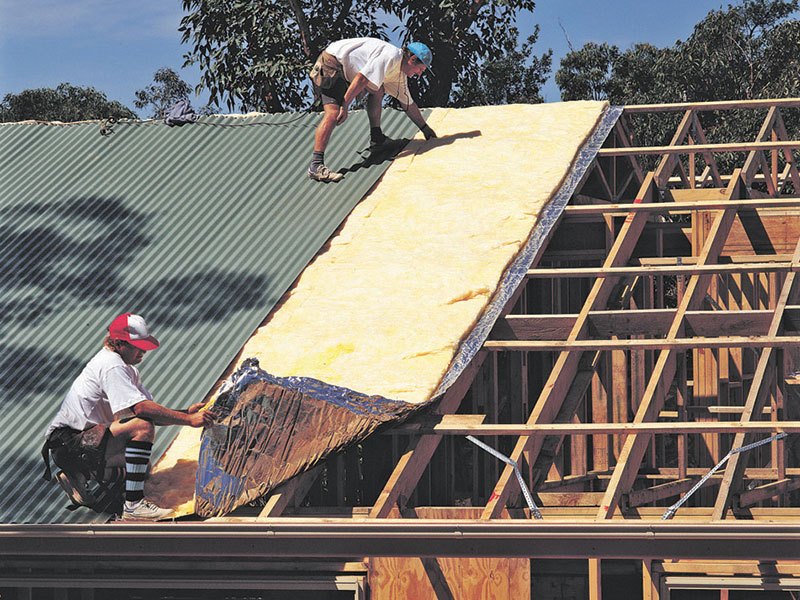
(358, 85)
(413, 112)
(161, 415)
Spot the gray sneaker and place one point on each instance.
(144, 510)
(324, 174)
(74, 485)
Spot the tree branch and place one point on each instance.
(302, 23)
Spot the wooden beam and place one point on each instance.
(569, 498)
(791, 165)
(711, 162)
(713, 105)
(733, 567)
(650, 580)
(672, 473)
(412, 463)
(665, 367)
(752, 161)
(757, 397)
(473, 425)
(668, 161)
(686, 149)
(730, 259)
(665, 207)
(595, 579)
(567, 364)
(763, 341)
(652, 322)
(550, 446)
(766, 492)
(292, 491)
(624, 138)
(585, 272)
(658, 492)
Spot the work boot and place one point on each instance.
(386, 145)
(144, 510)
(74, 485)
(324, 174)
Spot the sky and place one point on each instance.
(116, 46)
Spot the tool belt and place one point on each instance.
(326, 71)
(77, 451)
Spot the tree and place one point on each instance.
(67, 103)
(167, 89)
(461, 35)
(746, 51)
(585, 74)
(516, 77)
(257, 55)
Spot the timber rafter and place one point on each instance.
(613, 409)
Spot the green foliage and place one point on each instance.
(748, 50)
(732, 53)
(67, 103)
(515, 77)
(585, 74)
(167, 89)
(461, 35)
(256, 56)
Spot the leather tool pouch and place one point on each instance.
(325, 71)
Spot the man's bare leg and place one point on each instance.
(317, 169)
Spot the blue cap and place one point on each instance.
(422, 52)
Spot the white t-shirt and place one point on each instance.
(105, 386)
(376, 60)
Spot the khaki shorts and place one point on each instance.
(327, 76)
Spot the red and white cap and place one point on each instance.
(132, 329)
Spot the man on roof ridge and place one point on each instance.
(346, 69)
(107, 420)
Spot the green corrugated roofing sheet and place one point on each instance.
(199, 228)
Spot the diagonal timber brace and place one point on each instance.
(566, 367)
(666, 365)
(757, 397)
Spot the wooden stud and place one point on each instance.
(567, 364)
(664, 369)
(650, 586)
(595, 579)
(756, 399)
(420, 450)
(293, 491)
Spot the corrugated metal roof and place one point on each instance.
(199, 228)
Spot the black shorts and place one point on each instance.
(83, 451)
(333, 94)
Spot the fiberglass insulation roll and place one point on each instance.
(383, 307)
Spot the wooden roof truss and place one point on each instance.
(687, 317)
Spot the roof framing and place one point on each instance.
(582, 343)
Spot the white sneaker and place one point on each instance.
(144, 510)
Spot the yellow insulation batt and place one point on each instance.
(383, 307)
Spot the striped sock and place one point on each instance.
(137, 456)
